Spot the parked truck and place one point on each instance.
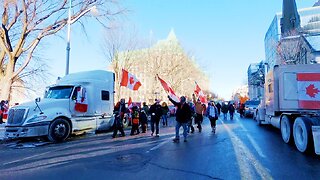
(292, 103)
(78, 103)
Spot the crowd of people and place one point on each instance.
(187, 114)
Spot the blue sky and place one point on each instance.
(225, 36)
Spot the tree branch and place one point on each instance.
(29, 56)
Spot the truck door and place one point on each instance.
(106, 106)
(79, 108)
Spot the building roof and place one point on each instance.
(314, 42)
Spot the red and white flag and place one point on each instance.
(169, 90)
(130, 103)
(200, 94)
(5, 110)
(81, 101)
(309, 90)
(130, 81)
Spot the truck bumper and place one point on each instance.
(34, 130)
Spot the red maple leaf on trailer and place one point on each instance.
(312, 91)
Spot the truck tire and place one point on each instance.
(59, 130)
(302, 134)
(286, 129)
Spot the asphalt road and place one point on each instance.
(239, 150)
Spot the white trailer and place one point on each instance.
(292, 103)
(78, 103)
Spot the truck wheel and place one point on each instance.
(59, 130)
(302, 134)
(286, 129)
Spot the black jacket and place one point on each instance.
(183, 113)
(143, 118)
(157, 110)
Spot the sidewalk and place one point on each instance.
(2, 130)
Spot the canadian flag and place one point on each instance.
(200, 94)
(129, 80)
(5, 110)
(309, 90)
(81, 101)
(130, 103)
(169, 90)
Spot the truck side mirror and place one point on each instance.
(38, 99)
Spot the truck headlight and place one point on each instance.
(36, 119)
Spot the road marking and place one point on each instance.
(245, 158)
(253, 142)
(161, 144)
(26, 158)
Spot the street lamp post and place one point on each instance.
(69, 31)
(68, 38)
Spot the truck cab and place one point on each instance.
(78, 103)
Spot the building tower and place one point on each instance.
(290, 20)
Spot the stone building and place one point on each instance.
(167, 59)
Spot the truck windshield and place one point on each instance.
(59, 92)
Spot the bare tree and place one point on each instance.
(118, 47)
(25, 24)
(175, 66)
(292, 50)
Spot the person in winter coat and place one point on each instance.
(218, 106)
(145, 107)
(165, 110)
(119, 111)
(200, 109)
(224, 110)
(143, 121)
(193, 112)
(135, 120)
(241, 110)
(183, 116)
(231, 110)
(2, 104)
(212, 113)
(156, 112)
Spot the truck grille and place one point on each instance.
(16, 116)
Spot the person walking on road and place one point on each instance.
(119, 111)
(183, 116)
(231, 110)
(212, 113)
(241, 110)
(218, 106)
(224, 110)
(145, 107)
(135, 120)
(2, 103)
(200, 109)
(156, 112)
(164, 117)
(143, 121)
(190, 126)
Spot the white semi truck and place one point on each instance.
(78, 103)
(292, 103)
